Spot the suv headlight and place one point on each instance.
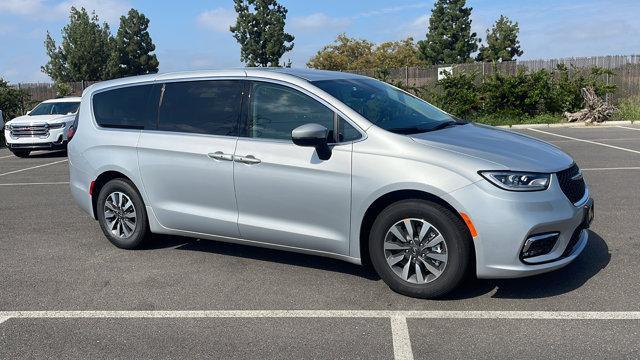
(517, 181)
(56, 125)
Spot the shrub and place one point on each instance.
(11, 102)
(456, 94)
(629, 109)
(516, 98)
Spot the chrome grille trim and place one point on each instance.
(21, 131)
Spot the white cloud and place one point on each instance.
(319, 21)
(393, 9)
(21, 7)
(108, 10)
(218, 20)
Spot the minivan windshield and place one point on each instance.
(386, 106)
(55, 108)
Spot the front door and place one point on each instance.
(286, 195)
(186, 163)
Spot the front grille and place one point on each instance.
(572, 183)
(21, 131)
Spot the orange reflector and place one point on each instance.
(472, 229)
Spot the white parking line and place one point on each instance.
(42, 183)
(400, 331)
(8, 156)
(630, 128)
(419, 314)
(3, 319)
(401, 340)
(612, 168)
(33, 167)
(586, 141)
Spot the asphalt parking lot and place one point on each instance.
(66, 292)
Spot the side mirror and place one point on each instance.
(313, 135)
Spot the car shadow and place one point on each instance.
(594, 258)
(48, 154)
(262, 254)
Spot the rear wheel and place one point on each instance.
(419, 248)
(21, 153)
(122, 215)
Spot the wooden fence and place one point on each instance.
(626, 71)
(626, 74)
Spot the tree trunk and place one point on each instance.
(596, 110)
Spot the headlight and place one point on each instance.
(56, 126)
(517, 181)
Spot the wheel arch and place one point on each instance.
(102, 180)
(392, 197)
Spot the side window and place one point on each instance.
(346, 132)
(202, 107)
(127, 107)
(276, 110)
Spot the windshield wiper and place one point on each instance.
(409, 130)
(421, 129)
(447, 124)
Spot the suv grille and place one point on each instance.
(18, 131)
(572, 183)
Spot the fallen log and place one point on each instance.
(596, 110)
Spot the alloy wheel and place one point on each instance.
(120, 214)
(416, 251)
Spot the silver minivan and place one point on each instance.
(325, 163)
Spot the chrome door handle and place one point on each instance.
(219, 155)
(249, 159)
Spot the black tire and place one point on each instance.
(140, 233)
(456, 237)
(21, 153)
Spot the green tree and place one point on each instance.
(397, 54)
(502, 42)
(11, 100)
(347, 53)
(133, 48)
(259, 30)
(449, 40)
(344, 53)
(84, 52)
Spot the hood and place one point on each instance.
(40, 119)
(514, 151)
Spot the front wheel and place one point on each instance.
(420, 249)
(122, 215)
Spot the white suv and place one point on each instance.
(46, 127)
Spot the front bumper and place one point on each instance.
(56, 139)
(505, 220)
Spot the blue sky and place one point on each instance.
(193, 34)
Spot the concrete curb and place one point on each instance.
(567, 125)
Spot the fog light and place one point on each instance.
(538, 245)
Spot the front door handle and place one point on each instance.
(219, 155)
(249, 159)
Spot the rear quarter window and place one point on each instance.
(209, 107)
(129, 107)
